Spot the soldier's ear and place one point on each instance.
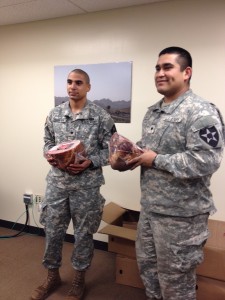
(89, 87)
(188, 73)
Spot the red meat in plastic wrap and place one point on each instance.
(67, 153)
(122, 150)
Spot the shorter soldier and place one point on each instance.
(74, 195)
(183, 138)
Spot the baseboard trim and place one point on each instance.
(40, 232)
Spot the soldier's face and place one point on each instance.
(169, 79)
(77, 87)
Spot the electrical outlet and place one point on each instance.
(38, 199)
(28, 199)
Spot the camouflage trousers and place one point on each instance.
(168, 251)
(84, 207)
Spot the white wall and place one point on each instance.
(29, 52)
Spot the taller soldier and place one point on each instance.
(183, 138)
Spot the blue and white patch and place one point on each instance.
(210, 136)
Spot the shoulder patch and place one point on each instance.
(210, 136)
(109, 124)
(113, 129)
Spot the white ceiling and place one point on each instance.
(22, 11)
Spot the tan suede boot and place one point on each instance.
(78, 286)
(51, 283)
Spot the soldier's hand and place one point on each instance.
(80, 167)
(51, 160)
(144, 159)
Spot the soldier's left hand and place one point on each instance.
(80, 167)
(144, 159)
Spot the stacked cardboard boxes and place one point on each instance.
(210, 289)
(214, 252)
(211, 273)
(122, 228)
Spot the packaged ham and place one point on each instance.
(67, 153)
(122, 150)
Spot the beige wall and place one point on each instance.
(29, 52)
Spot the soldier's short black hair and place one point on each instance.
(82, 72)
(184, 57)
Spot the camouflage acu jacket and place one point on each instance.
(188, 136)
(94, 127)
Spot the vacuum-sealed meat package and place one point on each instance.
(66, 153)
(122, 150)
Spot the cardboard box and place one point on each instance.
(121, 228)
(127, 272)
(210, 289)
(213, 265)
(121, 246)
(217, 234)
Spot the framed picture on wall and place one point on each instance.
(111, 85)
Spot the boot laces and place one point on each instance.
(77, 283)
(51, 278)
(78, 279)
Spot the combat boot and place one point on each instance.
(78, 285)
(52, 281)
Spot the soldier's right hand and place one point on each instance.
(51, 160)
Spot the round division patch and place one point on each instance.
(210, 136)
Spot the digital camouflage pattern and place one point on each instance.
(84, 207)
(178, 243)
(94, 127)
(187, 156)
(188, 136)
(75, 197)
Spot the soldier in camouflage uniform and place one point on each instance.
(74, 195)
(183, 138)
